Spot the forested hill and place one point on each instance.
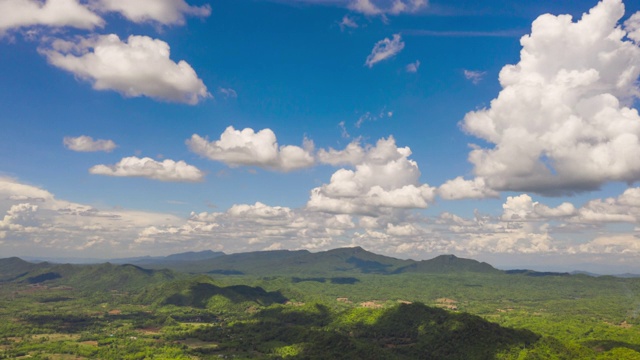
(186, 257)
(13, 267)
(85, 277)
(354, 260)
(342, 260)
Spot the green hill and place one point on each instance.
(13, 268)
(350, 261)
(202, 292)
(405, 331)
(449, 263)
(87, 277)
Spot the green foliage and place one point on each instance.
(127, 312)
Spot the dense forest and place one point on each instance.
(340, 304)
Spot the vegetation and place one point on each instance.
(348, 304)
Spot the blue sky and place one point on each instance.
(411, 128)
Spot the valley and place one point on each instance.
(343, 304)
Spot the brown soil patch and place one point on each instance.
(294, 303)
(371, 304)
(446, 301)
(150, 331)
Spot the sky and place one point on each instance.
(503, 131)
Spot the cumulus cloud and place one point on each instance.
(459, 188)
(413, 67)
(474, 76)
(20, 217)
(624, 208)
(386, 7)
(167, 170)
(87, 144)
(353, 154)
(563, 122)
(32, 218)
(385, 49)
(139, 66)
(16, 14)
(348, 22)
(610, 244)
(484, 234)
(523, 208)
(383, 180)
(35, 219)
(259, 226)
(167, 12)
(632, 27)
(249, 148)
(261, 213)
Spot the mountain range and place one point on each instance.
(336, 262)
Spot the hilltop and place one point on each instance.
(342, 260)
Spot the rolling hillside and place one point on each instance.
(343, 260)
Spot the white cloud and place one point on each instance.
(485, 235)
(562, 122)
(20, 217)
(167, 12)
(385, 49)
(13, 190)
(348, 22)
(624, 208)
(384, 180)
(369, 117)
(167, 170)
(33, 220)
(36, 222)
(262, 213)
(246, 227)
(632, 27)
(249, 148)
(523, 208)
(87, 144)
(610, 244)
(228, 93)
(138, 67)
(343, 130)
(474, 76)
(15, 14)
(386, 7)
(413, 67)
(459, 188)
(353, 154)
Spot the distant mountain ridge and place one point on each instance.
(186, 256)
(353, 260)
(333, 263)
(340, 260)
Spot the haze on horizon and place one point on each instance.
(506, 132)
